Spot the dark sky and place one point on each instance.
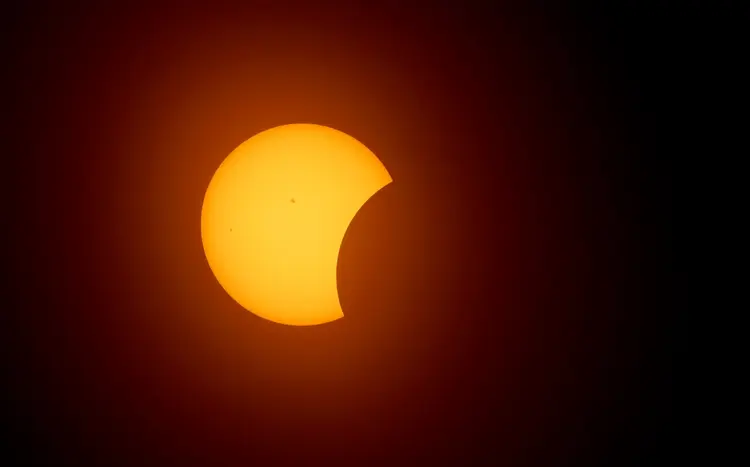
(508, 299)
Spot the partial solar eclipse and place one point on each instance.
(274, 216)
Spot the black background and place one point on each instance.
(508, 298)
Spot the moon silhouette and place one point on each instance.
(274, 216)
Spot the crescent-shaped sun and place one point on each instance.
(274, 216)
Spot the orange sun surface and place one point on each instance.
(274, 216)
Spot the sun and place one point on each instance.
(274, 216)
